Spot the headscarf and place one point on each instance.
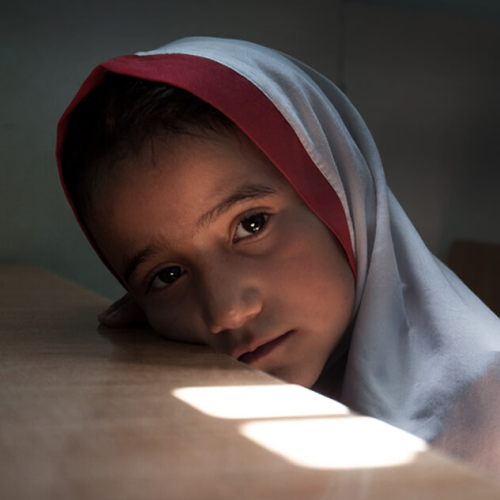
(420, 345)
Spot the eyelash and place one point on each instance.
(166, 285)
(181, 272)
(246, 218)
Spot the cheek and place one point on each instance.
(311, 271)
(336, 288)
(174, 319)
(308, 251)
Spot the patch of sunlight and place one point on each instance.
(259, 401)
(335, 443)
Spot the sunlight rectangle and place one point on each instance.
(259, 401)
(349, 442)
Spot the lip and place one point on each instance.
(253, 355)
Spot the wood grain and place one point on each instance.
(90, 413)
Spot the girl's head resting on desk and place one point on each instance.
(208, 236)
(256, 218)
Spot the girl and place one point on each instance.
(240, 199)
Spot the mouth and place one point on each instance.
(251, 357)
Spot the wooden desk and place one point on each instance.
(100, 414)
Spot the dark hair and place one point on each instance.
(117, 118)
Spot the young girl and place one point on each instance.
(240, 199)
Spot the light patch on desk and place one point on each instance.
(259, 401)
(335, 443)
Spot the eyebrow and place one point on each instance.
(135, 261)
(240, 195)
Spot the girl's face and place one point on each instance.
(217, 248)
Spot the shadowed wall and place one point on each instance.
(426, 83)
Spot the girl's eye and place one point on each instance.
(166, 277)
(250, 225)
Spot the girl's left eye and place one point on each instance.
(250, 226)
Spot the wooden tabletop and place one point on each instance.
(92, 413)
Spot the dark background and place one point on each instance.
(424, 74)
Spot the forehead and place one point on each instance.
(199, 160)
(170, 186)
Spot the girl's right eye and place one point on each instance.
(166, 277)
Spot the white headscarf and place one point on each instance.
(420, 344)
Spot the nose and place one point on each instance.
(230, 300)
(232, 312)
